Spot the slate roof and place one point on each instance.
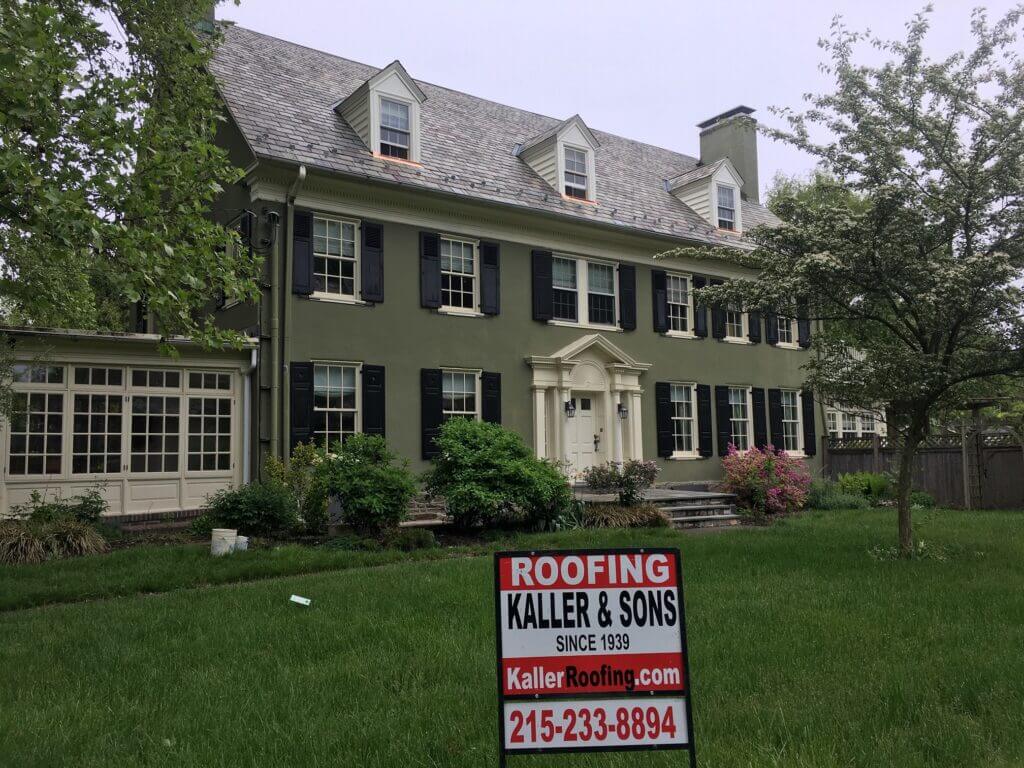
(695, 174)
(281, 96)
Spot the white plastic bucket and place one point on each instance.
(241, 543)
(222, 541)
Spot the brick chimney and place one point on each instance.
(733, 134)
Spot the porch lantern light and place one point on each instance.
(570, 408)
(623, 412)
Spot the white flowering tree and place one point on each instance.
(908, 250)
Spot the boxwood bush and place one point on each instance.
(488, 476)
(255, 509)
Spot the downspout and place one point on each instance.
(254, 356)
(280, 405)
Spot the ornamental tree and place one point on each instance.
(907, 249)
(108, 167)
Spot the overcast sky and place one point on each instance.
(642, 69)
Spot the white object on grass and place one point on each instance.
(241, 543)
(222, 541)
(301, 600)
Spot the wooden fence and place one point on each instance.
(983, 471)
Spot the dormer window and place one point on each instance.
(575, 173)
(394, 129)
(726, 207)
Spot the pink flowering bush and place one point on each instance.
(766, 481)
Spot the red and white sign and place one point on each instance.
(603, 627)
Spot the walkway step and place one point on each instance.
(706, 521)
(694, 507)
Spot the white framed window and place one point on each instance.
(155, 378)
(97, 427)
(88, 376)
(684, 422)
(739, 417)
(37, 429)
(850, 428)
(27, 373)
(209, 433)
(459, 275)
(155, 433)
(726, 207)
(395, 127)
(680, 310)
(867, 423)
(787, 330)
(846, 423)
(792, 432)
(575, 172)
(335, 256)
(335, 402)
(460, 394)
(832, 423)
(597, 282)
(735, 325)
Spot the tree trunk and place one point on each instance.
(904, 483)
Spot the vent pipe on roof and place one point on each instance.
(733, 134)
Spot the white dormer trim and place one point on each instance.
(698, 188)
(362, 109)
(545, 154)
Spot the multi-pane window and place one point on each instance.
(209, 380)
(155, 430)
(726, 207)
(96, 438)
(565, 294)
(37, 425)
(458, 394)
(849, 424)
(734, 324)
(334, 256)
(739, 418)
(209, 433)
(24, 373)
(790, 420)
(458, 274)
(156, 379)
(394, 129)
(853, 424)
(683, 422)
(575, 173)
(832, 423)
(335, 405)
(867, 423)
(786, 334)
(678, 292)
(98, 377)
(601, 294)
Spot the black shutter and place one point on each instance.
(700, 311)
(663, 414)
(371, 270)
(754, 327)
(373, 400)
(760, 425)
(803, 325)
(430, 270)
(771, 328)
(490, 278)
(659, 299)
(810, 434)
(717, 318)
(723, 417)
(627, 297)
(430, 409)
(490, 405)
(542, 288)
(301, 397)
(775, 416)
(302, 253)
(704, 429)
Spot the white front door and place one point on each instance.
(586, 434)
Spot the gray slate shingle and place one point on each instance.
(281, 94)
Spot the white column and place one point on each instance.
(540, 426)
(617, 426)
(608, 437)
(559, 432)
(636, 427)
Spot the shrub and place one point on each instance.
(872, 485)
(20, 543)
(921, 499)
(621, 516)
(766, 481)
(629, 480)
(256, 509)
(71, 538)
(372, 486)
(825, 494)
(306, 484)
(202, 526)
(409, 539)
(86, 508)
(486, 474)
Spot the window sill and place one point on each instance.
(399, 160)
(680, 334)
(736, 340)
(686, 457)
(583, 200)
(332, 299)
(787, 345)
(460, 312)
(587, 326)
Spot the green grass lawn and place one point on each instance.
(805, 651)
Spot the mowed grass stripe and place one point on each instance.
(805, 652)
